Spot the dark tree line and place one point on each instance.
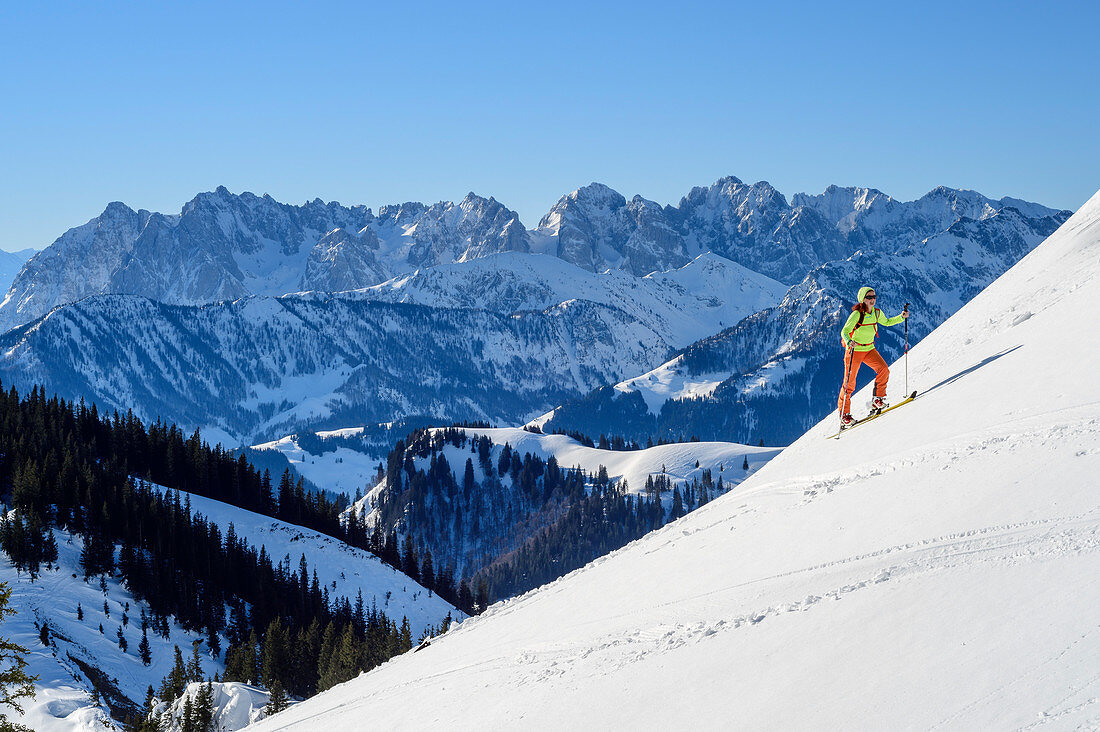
(512, 522)
(65, 466)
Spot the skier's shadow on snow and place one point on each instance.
(975, 367)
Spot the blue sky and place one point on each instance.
(370, 103)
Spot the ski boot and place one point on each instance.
(878, 404)
(846, 421)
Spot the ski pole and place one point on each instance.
(906, 310)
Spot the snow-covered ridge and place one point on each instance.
(702, 297)
(933, 569)
(260, 368)
(680, 462)
(225, 246)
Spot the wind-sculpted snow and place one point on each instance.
(934, 569)
(260, 368)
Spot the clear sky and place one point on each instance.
(150, 103)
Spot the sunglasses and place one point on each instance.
(871, 297)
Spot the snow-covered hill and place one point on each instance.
(342, 569)
(933, 569)
(65, 689)
(80, 658)
(680, 462)
(510, 509)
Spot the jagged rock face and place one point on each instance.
(474, 228)
(224, 246)
(80, 263)
(596, 229)
(342, 260)
(754, 226)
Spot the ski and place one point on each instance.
(872, 415)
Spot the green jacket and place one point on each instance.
(863, 337)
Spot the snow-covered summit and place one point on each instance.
(702, 297)
(933, 569)
(225, 246)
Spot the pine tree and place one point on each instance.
(143, 649)
(176, 680)
(745, 465)
(122, 644)
(194, 667)
(427, 572)
(187, 718)
(79, 612)
(203, 708)
(278, 700)
(14, 681)
(275, 657)
(325, 676)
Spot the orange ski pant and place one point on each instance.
(852, 361)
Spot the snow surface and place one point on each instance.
(63, 699)
(236, 706)
(938, 568)
(342, 470)
(342, 568)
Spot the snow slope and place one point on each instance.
(63, 701)
(342, 470)
(938, 568)
(342, 568)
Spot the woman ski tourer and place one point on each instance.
(858, 335)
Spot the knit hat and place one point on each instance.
(863, 293)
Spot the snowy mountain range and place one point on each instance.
(460, 313)
(224, 246)
(774, 374)
(263, 367)
(933, 569)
